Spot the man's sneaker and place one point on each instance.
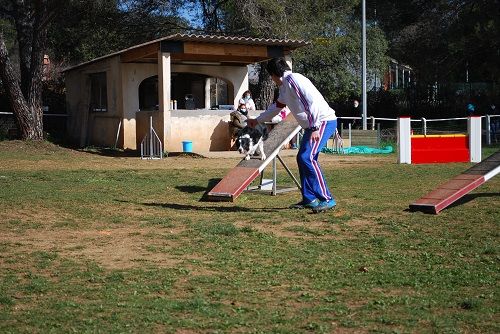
(304, 205)
(324, 206)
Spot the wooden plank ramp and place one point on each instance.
(238, 178)
(451, 191)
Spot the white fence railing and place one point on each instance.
(51, 115)
(491, 124)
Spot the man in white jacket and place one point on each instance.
(319, 122)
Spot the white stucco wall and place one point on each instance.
(84, 127)
(132, 76)
(207, 129)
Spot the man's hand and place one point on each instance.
(252, 122)
(315, 136)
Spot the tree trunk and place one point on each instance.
(24, 30)
(38, 43)
(28, 117)
(265, 89)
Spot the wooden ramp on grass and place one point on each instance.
(459, 186)
(238, 178)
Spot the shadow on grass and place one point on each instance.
(186, 155)
(470, 197)
(215, 208)
(111, 152)
(192, 189)
(196, 189)
(187, 207)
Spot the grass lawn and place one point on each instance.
(92, 243)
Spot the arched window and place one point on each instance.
(188, 89)
(148, 94)
(218, 92)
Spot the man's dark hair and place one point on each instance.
(277, 66)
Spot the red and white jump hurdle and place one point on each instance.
(418, 149)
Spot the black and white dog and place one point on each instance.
(251, 141)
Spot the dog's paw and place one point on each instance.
(263, 157)
(247, 157)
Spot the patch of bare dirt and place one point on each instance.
(120, 248)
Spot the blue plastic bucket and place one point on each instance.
(187, 146)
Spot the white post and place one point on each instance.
(164, 83)
(424, 126)
(474, 129)
(350, 135)
(207, 93)
(404, 140)
(164, 77)
(373, 122)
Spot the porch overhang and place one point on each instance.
(207, 50)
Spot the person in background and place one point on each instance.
(494, 123)
(319, 122)
(237, 120)
(248, 101)
(471, 109)
(357, 111)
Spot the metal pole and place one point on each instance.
(363, 70)
(488, 130)
(379, 139)
(151, 137)
(274, 177)
(350, 135)
(118, 133)
(289, 172)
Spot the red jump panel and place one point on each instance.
(440, 149)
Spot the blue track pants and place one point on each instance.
(311, 177)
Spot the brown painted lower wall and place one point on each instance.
(142, 125)
(208, 130)
(103, 130)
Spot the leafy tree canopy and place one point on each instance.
(444, 39)
(87, 29)
(333, 59)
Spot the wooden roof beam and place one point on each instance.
(145, 51)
